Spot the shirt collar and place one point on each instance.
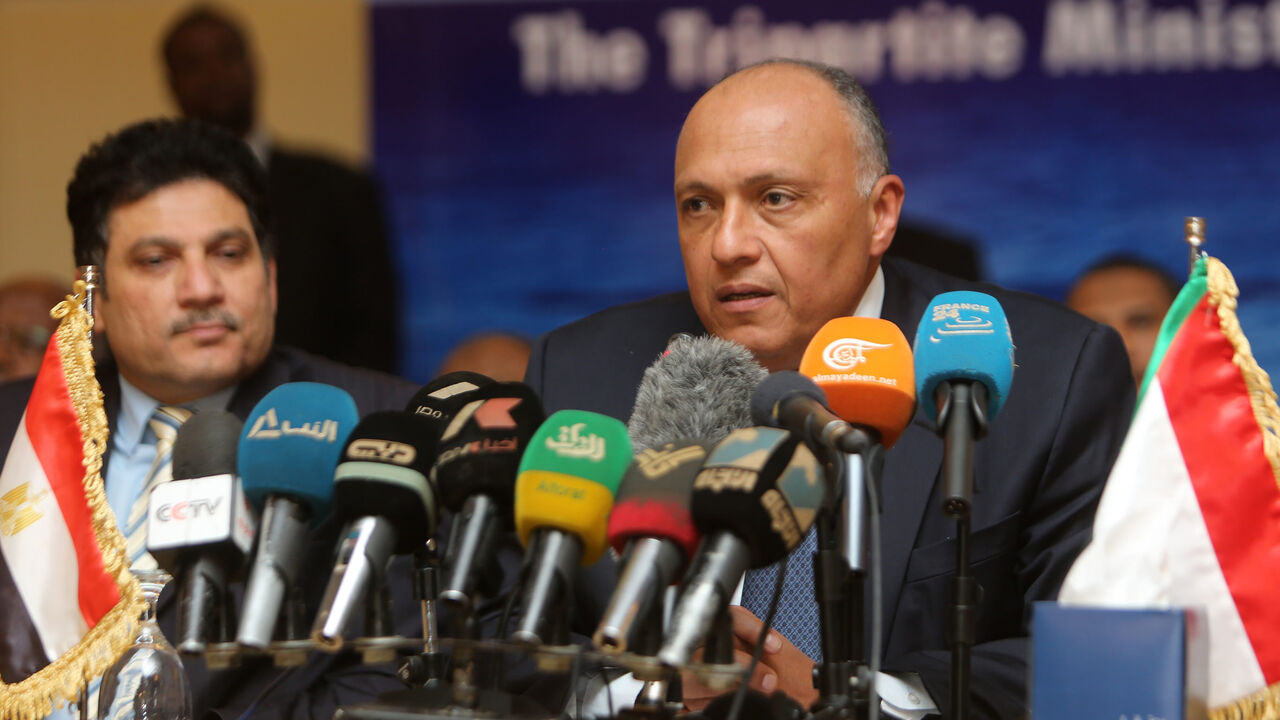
(136, 408)
(260, 143)
(872, 303)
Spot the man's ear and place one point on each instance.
(885, 206)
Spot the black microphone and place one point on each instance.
(787, 399)
(475, 469)
(756, 496)
(437, 399)
(381, 492)
(200, 527)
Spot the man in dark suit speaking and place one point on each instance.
(785, 209)
(174, 214)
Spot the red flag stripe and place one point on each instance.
(55, 437)
(1235, 485)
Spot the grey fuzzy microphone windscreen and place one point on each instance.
(700, 389)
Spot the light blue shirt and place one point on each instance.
(133, 444)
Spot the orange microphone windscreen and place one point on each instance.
(864, 366)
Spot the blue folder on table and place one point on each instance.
(1110, 664)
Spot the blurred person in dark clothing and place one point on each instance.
(337, 290)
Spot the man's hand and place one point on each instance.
(782, 665)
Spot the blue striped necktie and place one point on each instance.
(164, 423)
(797, 614)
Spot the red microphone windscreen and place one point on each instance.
(654, 497)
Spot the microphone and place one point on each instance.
(200, 527)
(437, 398)
(699, 389)
(382, 494)
(689, 399)
(964, 367)
(475, 471)
(964, 361)
(789, 400)
(567, 481)
(652, 527)
(864, 367)
(290, 445)
(754, 499)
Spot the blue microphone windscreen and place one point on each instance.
(292, 441)
(963, 335)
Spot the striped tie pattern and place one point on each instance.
(164, 423)
(797, 614)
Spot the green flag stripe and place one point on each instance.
(1186, 301)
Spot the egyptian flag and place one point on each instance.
(1191, 513)
(63, 567)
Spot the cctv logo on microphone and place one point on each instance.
(199, 510)
(184, 509)
(849, 353)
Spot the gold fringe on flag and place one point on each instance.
(1223, 294)
(63, 679)
(1262, 705)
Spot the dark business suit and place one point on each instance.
(1039, 473)
(336, 285)
(317, 688)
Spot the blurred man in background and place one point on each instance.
(25, 324)
(1131, 295)
(337, 290)
(500, 355)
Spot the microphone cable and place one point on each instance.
(877, 600)
(740, 695)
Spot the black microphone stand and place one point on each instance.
(962, 419)
(431, 696)
(845, 682)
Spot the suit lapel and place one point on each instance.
(911, 466)
(273, 373)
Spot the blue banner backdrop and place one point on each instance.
(527, 146)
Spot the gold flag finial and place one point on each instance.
(91, 277)
(1194, 227)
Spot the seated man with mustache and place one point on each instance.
(174, 215)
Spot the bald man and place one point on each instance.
(785, 207)
(498, 355)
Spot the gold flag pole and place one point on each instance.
(90, 276)
(1194, 228)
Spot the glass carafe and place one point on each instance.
(147, 682)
